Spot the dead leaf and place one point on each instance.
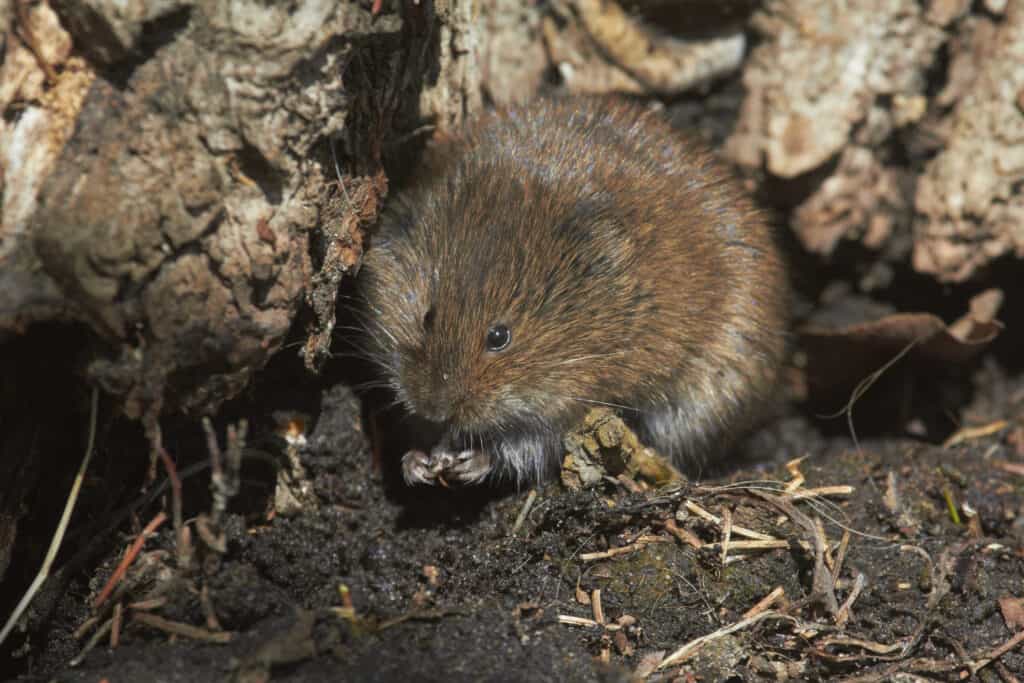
(1013, 612)
(837, 359)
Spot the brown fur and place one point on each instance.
(628, 264)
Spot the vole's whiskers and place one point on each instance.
(356, 348)
(386, 331)
(352, 297)
(371, 384)
(593, 356)
(395, 403)
(371, 357)
(598, 403)
(351, 328)
(374, 330)
(369, 324)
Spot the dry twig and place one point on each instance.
(129, 557)
(843, 615)
(179, 629)
(595, 603)
(821, 491)
(691, 648)
(96, 638)
(682, 534)
(224, 482)
(738, 530)
(62, 526)
(777, 594)
(973, 665)
(622, 550)
(182, 544)
(971, 433)
(577, 621)
(726, 533)
(527, 506)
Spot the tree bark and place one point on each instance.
(189, 201)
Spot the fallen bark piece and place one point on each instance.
(604, 446)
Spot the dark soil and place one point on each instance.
(441, 588)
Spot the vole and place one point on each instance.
(565, 254)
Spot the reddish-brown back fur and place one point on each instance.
(629, 266)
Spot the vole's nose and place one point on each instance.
(439, 397)
(434, 410)
(443, 409)
(437, 405)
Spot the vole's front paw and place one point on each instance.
(444, 467)
(419, 468)
(466, 468)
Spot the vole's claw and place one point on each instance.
(443, 467)
(419, 467)
(469, 467)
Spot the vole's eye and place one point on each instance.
(428, 319)
(498, 338)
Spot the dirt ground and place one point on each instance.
(916, 567)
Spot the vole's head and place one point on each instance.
(498, 297)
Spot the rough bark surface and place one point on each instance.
(176, 220)
(513, 60)
(970, 199)
(843, 101)
(822, 73)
